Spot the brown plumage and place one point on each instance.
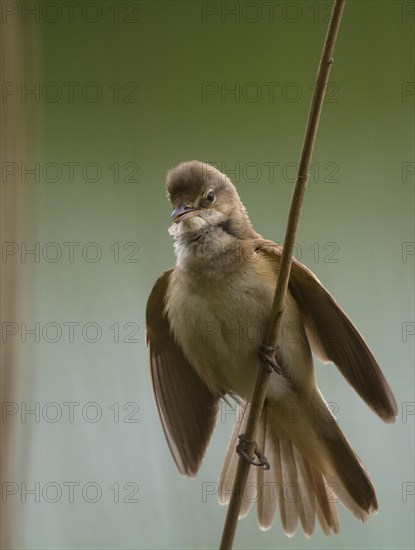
(206, 321)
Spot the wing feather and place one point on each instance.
(333, 336)
(186, 407)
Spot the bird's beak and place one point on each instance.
(183, 213)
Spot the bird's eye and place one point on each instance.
(210, 197)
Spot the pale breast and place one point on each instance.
(221, 324)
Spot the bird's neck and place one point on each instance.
(211, 251)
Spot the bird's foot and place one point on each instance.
(267, 362)
(245, 447)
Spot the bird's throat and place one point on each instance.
(210, 249)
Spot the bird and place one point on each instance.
(206, 323)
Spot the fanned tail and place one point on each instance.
(311, 469)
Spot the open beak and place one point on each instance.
(183, 213)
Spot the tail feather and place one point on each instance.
(250, 493)
(290, 488)
(311, 469)
(228, 473)
(326, 510)
(268, 481)
(347, 475)
(307, 504)
(352, 475)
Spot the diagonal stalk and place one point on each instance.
(284, 272)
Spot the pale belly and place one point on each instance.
(220, 328)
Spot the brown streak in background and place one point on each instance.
(17, 53)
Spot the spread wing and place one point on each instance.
(333, 336)
(186, 407)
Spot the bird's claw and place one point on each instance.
(267, 362)
(241, 449)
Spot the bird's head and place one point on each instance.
(203, 197)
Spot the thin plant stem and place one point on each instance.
(274, 325)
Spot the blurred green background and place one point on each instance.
(122, 92)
